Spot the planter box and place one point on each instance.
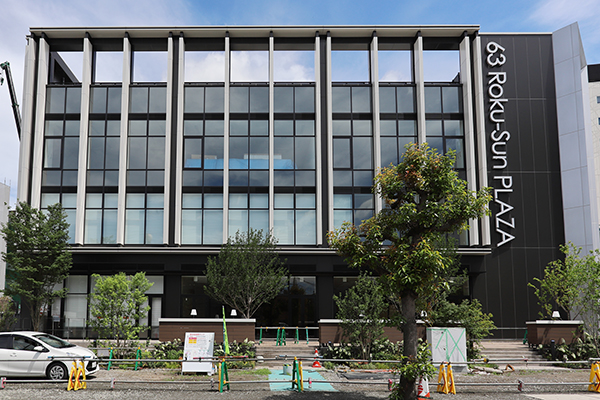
(543, 331)
(331, 331)
(238, 329)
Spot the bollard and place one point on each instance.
(110, 355)
(310, 383)
(223, 376)
(112, 383)
(260, 336)
(520, 386)
(553, 349)
(297, 338)
(307, 335)
(138, 355)
(277, 343)
(390, 385)
(2, 382)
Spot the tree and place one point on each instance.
(425, 200)
(360, 310)
(561, 284)
(37, 256)
(573, 284)
(247, 273)
(117, 305)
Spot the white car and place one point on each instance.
(40, 354)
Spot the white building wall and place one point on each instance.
(575, 140)
(4, 204)
(594, 92)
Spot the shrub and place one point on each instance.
(245, 348)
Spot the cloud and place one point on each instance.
(555, 14)
(294, 66)
(204, 66)
(563, 12)
(249, 66)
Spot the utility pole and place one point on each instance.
(13, 95)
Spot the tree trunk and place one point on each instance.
(407, 384)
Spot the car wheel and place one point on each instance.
(57, 372)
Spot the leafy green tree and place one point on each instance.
(573, 284)
(425, 200)
(117, 305)
(561, 284)
(360, 309)
(247, 273)
(37, 256)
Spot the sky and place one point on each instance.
(492, 16)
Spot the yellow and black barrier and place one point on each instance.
(446, 379)
(77, 377)
(594, 385)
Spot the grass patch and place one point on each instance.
(260, 371)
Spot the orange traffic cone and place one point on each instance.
(316, 364)
(423, 389)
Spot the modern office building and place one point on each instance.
(162, 142)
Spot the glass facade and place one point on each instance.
(286, 141)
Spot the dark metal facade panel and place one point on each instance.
(532, 162)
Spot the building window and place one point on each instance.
(104, 137)
(69, 204)
(398, 125)
(352, 137)
(202, 218)
(144, 218)
(61, 136)
(146, 142)
(100, 218)
(203, 132)
(294, 219)
(353, 208)
(444, 122)
(248, 136)
(248, 210)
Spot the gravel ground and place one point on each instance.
(99, 386)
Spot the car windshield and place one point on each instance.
(54, 341)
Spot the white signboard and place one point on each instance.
(448, 344)
(195, 347)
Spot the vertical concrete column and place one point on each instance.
(226, 139)
(468, 112)
(123, 142)
(486, 237)
(329, 131)
(271, 131)
(318, 148)
(179, 152)
(419, 80)
(168, 123)
(375, 106)
(84, 118)
(27, 123)
(38, 133)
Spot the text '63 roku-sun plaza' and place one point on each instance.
(160, 143)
